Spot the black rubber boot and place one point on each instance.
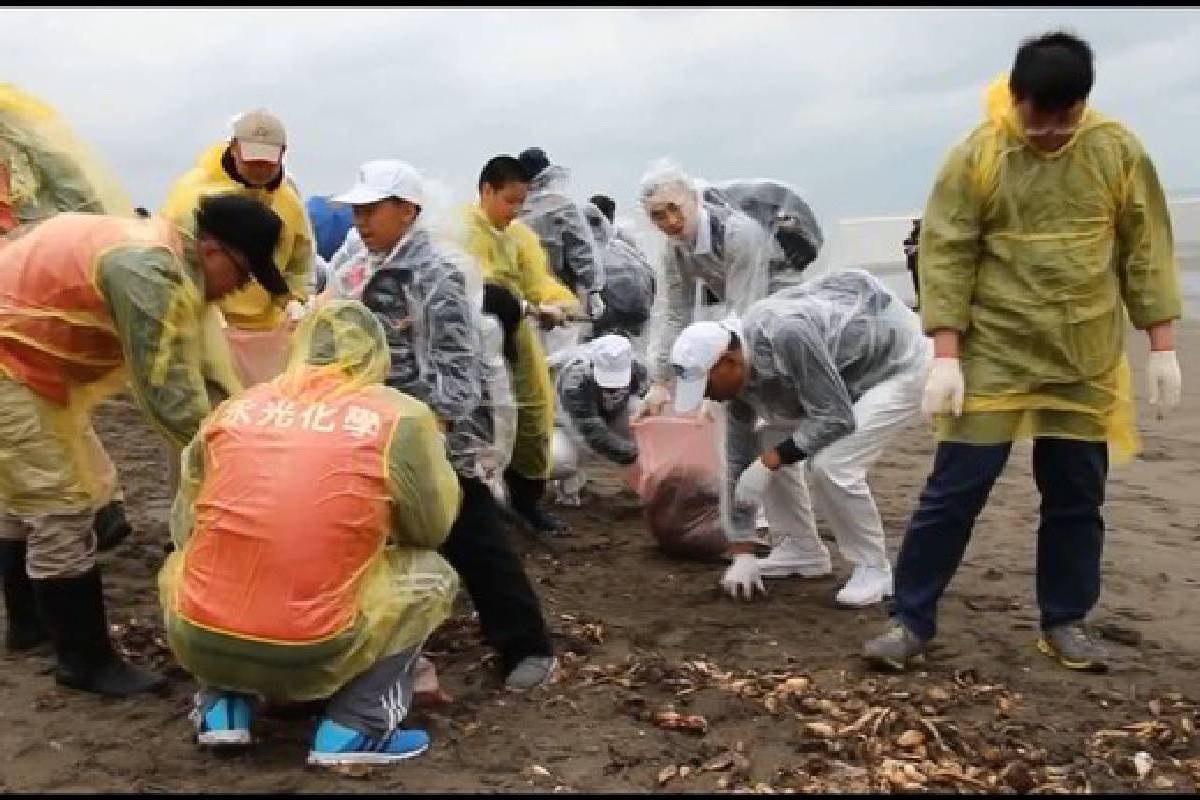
(111, 526)
(73, 612)
(525, 494)
(25, 629)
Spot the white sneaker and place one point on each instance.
(866, 587)
(784, 561)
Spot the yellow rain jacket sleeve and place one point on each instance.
(45, 169)
(157, 310)
(251, 307)
(512, 258)
(1035, 258)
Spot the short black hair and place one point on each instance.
(1054, 71)
(502, 170)
(606, 205)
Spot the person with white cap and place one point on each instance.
(599, 386)
(836, 367)
(427, 293)
(251, 163)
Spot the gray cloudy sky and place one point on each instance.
(854, 106)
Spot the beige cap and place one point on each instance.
(260, 136)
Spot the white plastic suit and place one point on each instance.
(836, 366)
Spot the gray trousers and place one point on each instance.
(373, 703)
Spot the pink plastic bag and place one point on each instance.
(668, 443)
(677, 476)
(258, 356)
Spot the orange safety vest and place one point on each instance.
(56, 330)
(293, 509)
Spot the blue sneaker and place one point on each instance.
(225, 721)
(336, 744)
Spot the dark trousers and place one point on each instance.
(509, 611)
(1070, 476)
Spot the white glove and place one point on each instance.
(595, 305)
(655, 401)
(944, 388)
(743, 575)
(1166, 382)
(752, 484)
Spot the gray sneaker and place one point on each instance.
(530, 673)
(1072, 647)
(894, 649)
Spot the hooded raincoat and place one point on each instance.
(307, 522)
(629, 283)
(571, 252)
(726, 268)
(812, 352)
(1036, 259)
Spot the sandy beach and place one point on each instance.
(633, 624)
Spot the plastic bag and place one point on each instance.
(678, 478)
(258, 356)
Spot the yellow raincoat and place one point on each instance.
(251, 307)
(514, 258)
(1035, 258)
(307, 521)
(45, 169)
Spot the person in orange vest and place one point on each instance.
(307, 525)
(89, 302)
(45, 169)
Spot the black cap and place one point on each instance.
(534, 160)
(246, 225)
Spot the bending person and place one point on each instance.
(835, 367)
(89, 302)
(599, 388)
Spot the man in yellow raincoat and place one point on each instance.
(251, 163)
(326, 581)
(510, 254)
(89, 302)
(1045, 231)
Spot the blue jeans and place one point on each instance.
(1069, 474)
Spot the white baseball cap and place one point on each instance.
(612, 361)
(379, 180)
(695, 352)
